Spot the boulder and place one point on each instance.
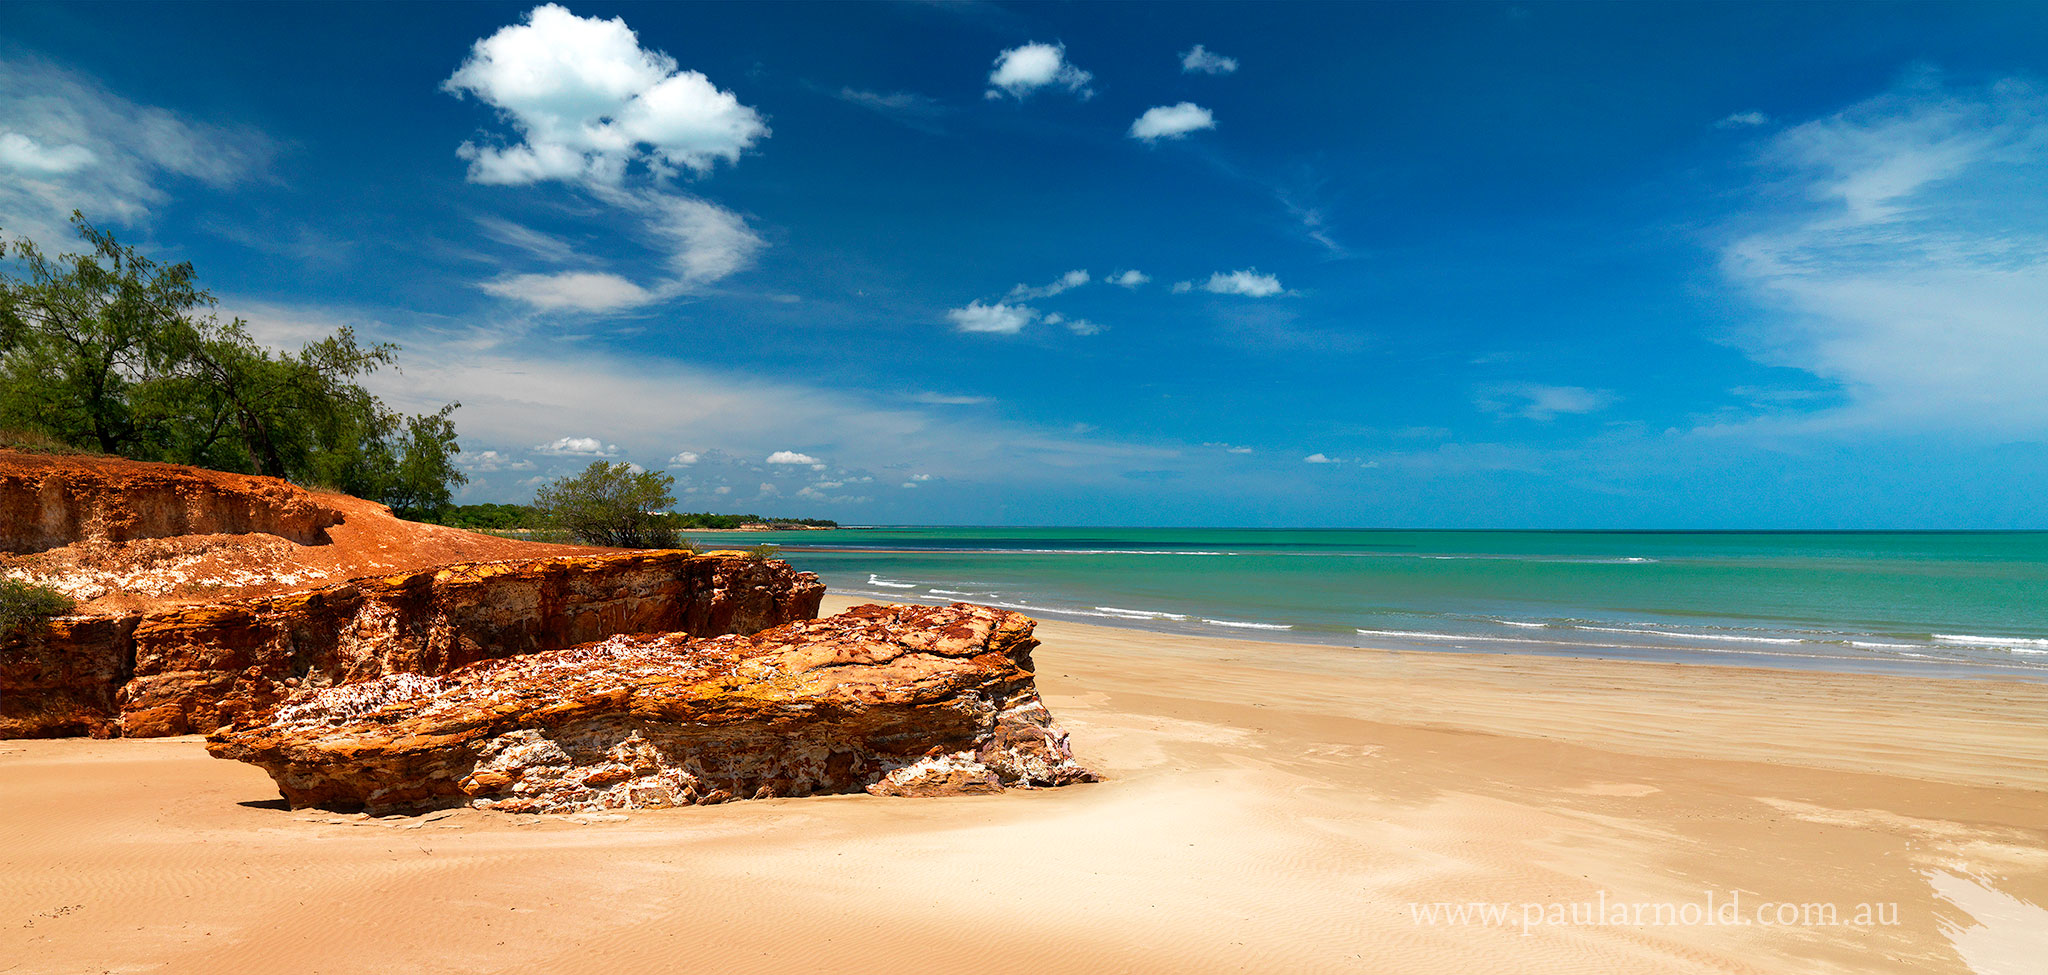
(907, 701)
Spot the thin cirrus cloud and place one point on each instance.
(1171, 122)
(67, 143)
(584, 291)
(1065, 282)
(1201, 60)
(1027, 68)
(998, 318)
(1744, 120)
(1914, 277)
(592, 108)
(920, 112)
(1536, 401)
(1078, 326)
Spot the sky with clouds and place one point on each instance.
(1699, 266)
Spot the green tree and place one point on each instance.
(612, 504)
(112, 351)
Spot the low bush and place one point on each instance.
(26, 605)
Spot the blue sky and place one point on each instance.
(1542, 265)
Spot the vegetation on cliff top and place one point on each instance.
(26, 604)
(517, 517)
(112, 351)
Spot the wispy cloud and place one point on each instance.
(1535, 401)
(1065, 282)
(67, 143)
(947, 399)
(920, 112)
(1916, 274)
(1201, 60)
(540, 246)
(578, 291)
(1743, 120)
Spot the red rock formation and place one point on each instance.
(189, 669)
(896, 701)
(178, 633)
(51, 501)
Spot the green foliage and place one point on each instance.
(491, 517)
(764, 551)
(612, 504)
(25, 605)
(114, 352)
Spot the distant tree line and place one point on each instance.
(613, 504)
(110, 351)
(513, 517)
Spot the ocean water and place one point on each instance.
(1942, 603)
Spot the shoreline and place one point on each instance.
(1266, 807)
(1699, 656)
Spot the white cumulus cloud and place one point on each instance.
(578, 447)
(1171, 122)
(1129, 279)
(1022, 70)
(683, 459)
(1204, 61)
(997, 319)
(1322, 458)
(791, 457)
(588, 102)
(1248, 282)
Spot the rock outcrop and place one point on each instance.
(52, 501)
(191, 668)
(895, 701)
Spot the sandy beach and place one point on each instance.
(1268, 808)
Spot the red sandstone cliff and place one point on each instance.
(205, 595)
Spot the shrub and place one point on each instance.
(612, 504)
(26, 605)
(764, 552)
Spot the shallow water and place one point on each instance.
(1948, 603)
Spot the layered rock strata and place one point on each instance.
(185, 669)
(892, 700)
(52, 501)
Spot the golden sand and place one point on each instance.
(1269, 808)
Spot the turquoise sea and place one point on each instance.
(1948, 603)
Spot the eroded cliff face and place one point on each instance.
(201, 593)
(187, 669)
(51, 501)
(892, 700)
